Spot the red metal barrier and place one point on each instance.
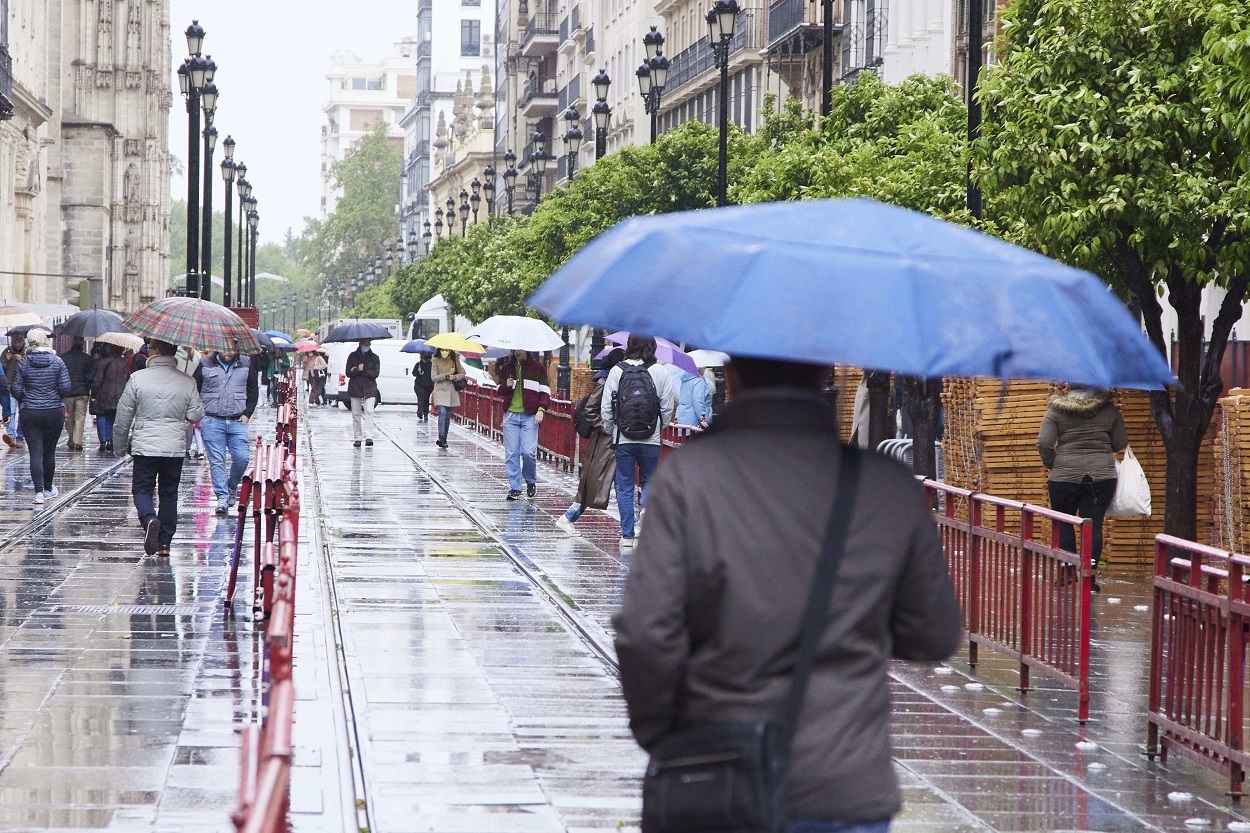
(1021, 595)
(1198, 657)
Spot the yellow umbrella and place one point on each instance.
(454, 341)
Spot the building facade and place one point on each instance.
(84, 157)
(361, 95)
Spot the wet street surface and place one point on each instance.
(454, 667)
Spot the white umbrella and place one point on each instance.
(516, 332)
(709, 358)
(126, 341)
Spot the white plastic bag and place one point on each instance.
(1132, 492)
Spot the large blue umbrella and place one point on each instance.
(854, 281)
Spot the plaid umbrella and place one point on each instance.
(195, 323)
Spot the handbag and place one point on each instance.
(731, 775)
(460, 384)
(1132, 490)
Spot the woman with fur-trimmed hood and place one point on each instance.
(1080, 434)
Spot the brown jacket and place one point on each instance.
(594, 482)
(1079, 436)
(711, 610)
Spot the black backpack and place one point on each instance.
(581, 422)
(636, 405)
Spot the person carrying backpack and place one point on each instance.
(526, 396)
(638, 401)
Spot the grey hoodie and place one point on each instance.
(1079, 434)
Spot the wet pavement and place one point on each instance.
(478, 636)
(121, 679)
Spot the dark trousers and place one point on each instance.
(1087, 499)
(423, 402)
(157, 476)
(43, 427)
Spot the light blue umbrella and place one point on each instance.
(279, 334)
(854, 281)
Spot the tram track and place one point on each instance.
(49, 513)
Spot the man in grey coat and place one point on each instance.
(708, 627)
(151, 424)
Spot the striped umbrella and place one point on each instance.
(193, 322)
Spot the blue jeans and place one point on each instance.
(15, 422)
(820, 826)
(444, 421)
(574, 512)
(630, 457)
(104, 426)
(226, 438)
(520, 449)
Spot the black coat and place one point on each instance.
(422, 376)
(81, 368)
(363, 384)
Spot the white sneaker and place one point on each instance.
(638, 522)
(627, 543)
(51, 493)
(39, 497)
(564, 523)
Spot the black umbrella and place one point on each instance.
(356, 331)
(23, 329)
(91, 323)
(265, 341)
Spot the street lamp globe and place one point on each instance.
(228, 147)
(227, 171)
(451, 210)
(184, 78)
(241, 168)
(653, 42)
(510, 172)
(602, 114)
(722, 19)
(210, 136)
(659, 72)
(540, 142)
(195, 38)
(540, 162)
(210, 69)
(208, 97)
(601, 83)
(645, 82)
(198, 68)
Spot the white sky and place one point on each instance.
(272, 57)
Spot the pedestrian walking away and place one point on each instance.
(423, 385)
(81, 368)
(13, 435)
(317, 379)
(594, 481)
(229, 389)
(448, 374)
(106, 391)
(638, 401)
(707, 629)
(526, 397)
(155, 408)
(363, 369)
(694, 400)
(40, 383)
(1080, 434)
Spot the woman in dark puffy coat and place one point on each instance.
(1080, 434)
(106, 392)
(39, 384)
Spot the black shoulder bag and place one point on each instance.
(730, 776)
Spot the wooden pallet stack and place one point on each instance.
(1131, 540)
(845, 381)
(1230, 456)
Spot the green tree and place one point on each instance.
(1106, 149)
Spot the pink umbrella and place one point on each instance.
(307, 347)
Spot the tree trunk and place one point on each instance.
(1180, 502)
(880, 425)
(924, 405)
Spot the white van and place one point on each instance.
(394, 382)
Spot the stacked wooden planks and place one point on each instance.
(1131, 540)
(845, 381)
(1230, 456)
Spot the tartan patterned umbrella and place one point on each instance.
(192, 322)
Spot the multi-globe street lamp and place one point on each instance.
(488, 189)
(540, 164)
(426, 235)
(509, 176)
(653, 77)
(475, 198)
(722, 21)
(464, 212)
(244, 190)
(601, 112)
(438, 223)
(572, 139)
(191, 80)
(227, 177)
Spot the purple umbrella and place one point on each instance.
(665, 351)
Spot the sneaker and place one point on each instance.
(514, 494)
(151, 532)
(356, 443)
(369, 443)
(51, 493)
(222, 508)
(531, 489)
(443, 444)
(9, 441)
(638, 522)
(564, 523)
(40, 497)
(627, 543)
(233, 497)
(1094, 587)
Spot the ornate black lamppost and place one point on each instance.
(438, 223)
(475, 199)
(540, 164)
(509, 177)
(488, 189)
(722, 20)
(464, 212)
(191, 79)
(601, 113)
(208, 98)
(426, 235)
(572, 140)
(652, 78)
(244, 190)
(227, 177)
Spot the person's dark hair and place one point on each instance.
(77, 343)
(612, 359)
(156, 347)
(641, 348)
(774, 373)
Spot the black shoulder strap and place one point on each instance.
(818, 600)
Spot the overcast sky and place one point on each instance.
(272, 58)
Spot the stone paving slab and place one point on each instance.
(962, 768)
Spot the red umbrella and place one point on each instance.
(193, 322)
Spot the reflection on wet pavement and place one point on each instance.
(120, 679)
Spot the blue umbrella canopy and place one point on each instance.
(417, 345)
(355, 331)
(854, 281)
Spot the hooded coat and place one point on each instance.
(1079, 436)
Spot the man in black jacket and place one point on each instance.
(81, 368)
(363, 368)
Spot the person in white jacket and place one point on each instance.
(634, 415)
(152, 416)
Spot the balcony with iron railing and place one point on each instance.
(6, 83)
(589, 45)
(538, 97)
(424, 48)
(425, 6)
(571, 93)
(542, 35)
(699, 58)
(571, 28)
(798, 23)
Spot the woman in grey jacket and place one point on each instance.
(40, 382)
(1080, 434)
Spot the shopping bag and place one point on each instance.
(1132, 491)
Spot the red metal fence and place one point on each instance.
(1198, 657)
(270, 495)
(1021, 594)
(482, 409)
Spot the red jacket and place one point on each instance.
(535, 395)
